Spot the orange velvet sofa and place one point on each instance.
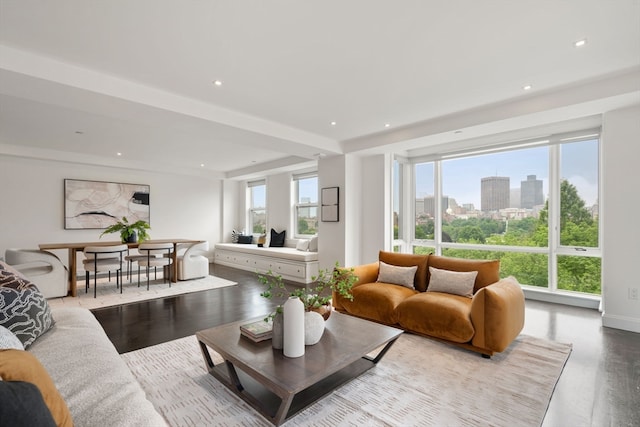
(486, 321)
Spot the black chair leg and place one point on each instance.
(86, 282)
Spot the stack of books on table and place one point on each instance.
(257, 331)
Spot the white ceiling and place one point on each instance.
(83, 79)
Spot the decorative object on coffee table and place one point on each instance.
(277, 337)
(294, 335)
(313, 327)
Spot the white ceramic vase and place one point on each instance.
(313, 327)
(293, 312)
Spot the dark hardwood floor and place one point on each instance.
(600, 385)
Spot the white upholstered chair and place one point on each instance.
(43, 268)
(155, 255)
(104, 258)
(192, 263)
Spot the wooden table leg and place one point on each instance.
(174, 256)
(72, 272)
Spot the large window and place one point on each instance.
(533, 205)
(306, 204)
(257, 195)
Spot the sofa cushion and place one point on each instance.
(94, 380)
(409, 260)
(488, 270)
(439, 315)
(23, 308)
(396, 275)
(23, 404)
(20, 365)
(377, 301)
(452, 282)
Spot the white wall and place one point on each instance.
(279, 212)
(621, 203)
(331, 235)
(375, 227)
(32, 208)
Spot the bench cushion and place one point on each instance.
(284, 252)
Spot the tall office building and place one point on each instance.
(494, 193)
(531, 192)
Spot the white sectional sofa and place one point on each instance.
(90, 375)
(287, 261)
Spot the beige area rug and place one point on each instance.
(419, 382)
(109, 295)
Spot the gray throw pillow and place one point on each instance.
(397, 275)
(452, 282)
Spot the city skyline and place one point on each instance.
(461, 178)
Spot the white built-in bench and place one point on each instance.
(290, 263)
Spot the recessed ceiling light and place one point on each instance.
(580, 43)
(217, 82)
(118, 154)
(387, 125)
(526, 87)
(201, 165)
(333, 123)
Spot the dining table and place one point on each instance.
(75, 247)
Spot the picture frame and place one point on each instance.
(99, 204)
(330, 204)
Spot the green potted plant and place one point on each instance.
(338, 279)
(129, 232)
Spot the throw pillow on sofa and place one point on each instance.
(20, 365)
(452, 282)
(277, 239)
(22, 403)
(23, 308)
(393, 274)
(9, 340)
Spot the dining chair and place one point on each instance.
(192, 262)
(43, 268)
(155, 255)
(103, 258)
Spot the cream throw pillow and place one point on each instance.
(452, 282)
(302, 245)
(397, 275)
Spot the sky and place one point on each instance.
(461, 178)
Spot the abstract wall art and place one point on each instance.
(99, 204)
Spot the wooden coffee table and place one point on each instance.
(279, 387)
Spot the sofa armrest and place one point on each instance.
(497, 314)
(366, 273)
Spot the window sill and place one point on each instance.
(566, 298)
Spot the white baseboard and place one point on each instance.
(625, 323)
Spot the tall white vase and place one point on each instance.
(293, 311)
